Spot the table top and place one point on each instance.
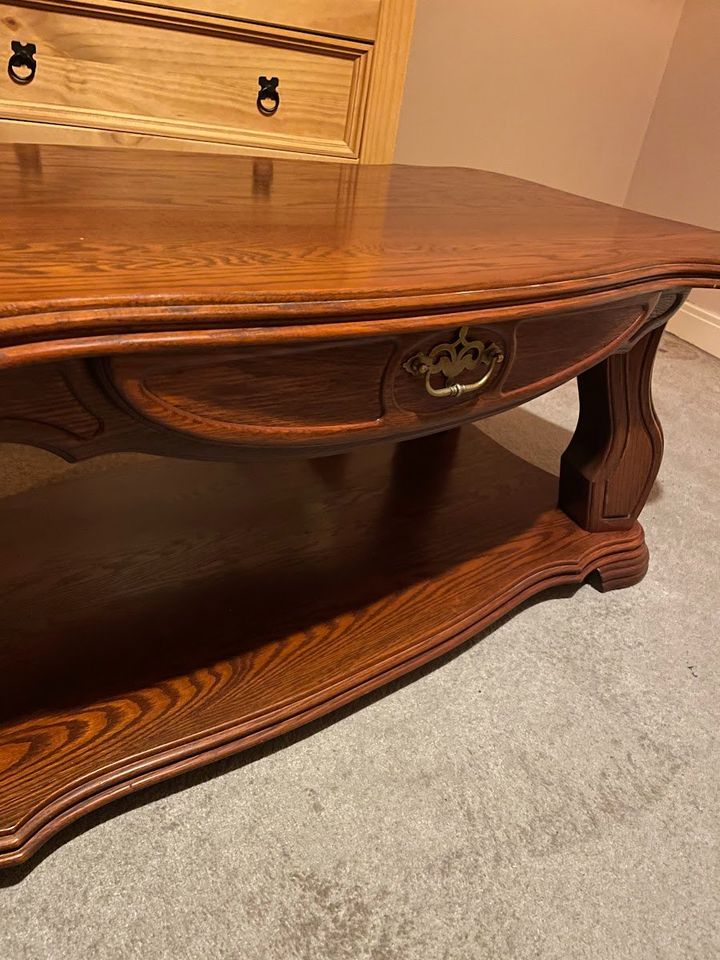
(88, 232)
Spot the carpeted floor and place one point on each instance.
(549, 792)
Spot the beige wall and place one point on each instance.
(558, 91)
(678, 170)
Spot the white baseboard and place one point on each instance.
(699, 326)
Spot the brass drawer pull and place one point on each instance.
(268, 91)
(22, 58)
(452, 359)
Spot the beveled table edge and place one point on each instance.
(39, 332)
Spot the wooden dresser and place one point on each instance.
(317, 78)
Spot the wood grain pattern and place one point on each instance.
(109, 249)
(164, 614)
(261, 396)
(234, 605)
(300, 398)
(48, 401)
(113, 74)
(357, 20)
(29, 133)
(543, 353)
(390, 57)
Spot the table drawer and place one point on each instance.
(322, 394)
(113, 74)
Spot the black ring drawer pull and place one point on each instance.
(22, 57)
(268, 91)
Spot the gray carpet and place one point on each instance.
(549, 792)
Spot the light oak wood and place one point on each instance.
(199, 83)
(390, 54)
(355, 19)
(21, 132)
(185, 76)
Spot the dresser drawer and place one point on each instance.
(188, 75)
(341, 18)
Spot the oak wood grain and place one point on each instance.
(268, 396)
(106, 248)
(300, 398)
(164, 614)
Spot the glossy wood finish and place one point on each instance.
(223, 309)
(234, 604)
(303, 398)
(109, 250)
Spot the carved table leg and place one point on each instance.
(613, 458)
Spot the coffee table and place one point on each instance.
(298, 346)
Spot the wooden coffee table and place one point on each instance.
(261, 325)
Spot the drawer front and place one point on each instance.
(320, 395)
(114, 74)
(531, 356)
(265, 396)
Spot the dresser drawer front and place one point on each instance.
(341, 18)
(114, 74)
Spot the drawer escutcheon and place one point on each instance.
(450, 360)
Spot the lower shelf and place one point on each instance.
(164, 614)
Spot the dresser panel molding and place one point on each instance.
(142, 74)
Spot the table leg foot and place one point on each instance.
(624, 570)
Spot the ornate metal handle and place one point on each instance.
(452, 359)
(268, 91)
(22, 57)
